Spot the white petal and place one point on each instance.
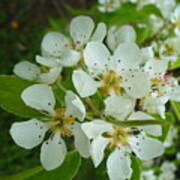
(136, 83)
(28, 134)
(147, 54)
(51, 76)
(175, 93)
(96, 56)
(46, 61)
(75, 106)
(53, 152)
(27, 70)
(84, 83)
(128, 55)
(146, 148)
(154, 130)
(119, 165)
(155, 105)
(95, 128)
(40, 97)
(81, 28)
(99, 33)
(97, 149)
(119, 106)
(156, 67)
(118, 35)
(69, 58)
(54, 43)
(81, 141)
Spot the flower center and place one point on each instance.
(60, 122)
(108, 5)
(110, 81)
(119, 137)
(177, 23)
(169, 50)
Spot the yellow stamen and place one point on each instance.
(111, 81)
(60, 122)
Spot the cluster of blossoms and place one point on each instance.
(167, 172)
(130, 82)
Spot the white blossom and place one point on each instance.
(112, 73)
(58, 50)
(124, 141)
(60, 122)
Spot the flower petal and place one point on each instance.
(119, 106)
(175, 93)
(154, 130)
(99, 33)
(97, 149)
(128, 55)
(51, 76)
(119, 165)
(81, 141)
(28, 134)
(136, 83)
(27, 70)
(95, 128)
(156, 67)
(84, 83)
(155, 105)
(146, 148)
(74, 106)
(53, 44)
(69, 58)
(46, 61)
(40, 97)
(118, 35)
(96, 56)
(81, 28)
(53, 152)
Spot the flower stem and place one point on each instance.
(131, 123)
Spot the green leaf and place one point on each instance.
(11, 88)
(176, 109)
(143, 34)
(66, 171)
(24, 175)
(151, 9)
(174, 65)
(136, 166)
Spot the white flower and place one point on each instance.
(117, 35)
(175, 19)
(156, 23)
(148, 175)
(169, 49)
(111, 74)
(124, 141)
(58, 50)
(32, 72)
(60, 122)
(119, 107)
(108, 5)
(167, 171)
(166, 7)
(163, 87)
(172, 134)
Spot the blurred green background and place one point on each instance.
(23, 23)
(22, 26)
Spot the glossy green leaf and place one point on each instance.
(66, 171)
(11, 88)
(174, 65)
(136, 167)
